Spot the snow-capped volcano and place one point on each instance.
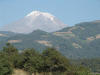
(37, 13)
(35, 20)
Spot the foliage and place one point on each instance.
(5, 66)
(54, 61)
(50, 61)
(93, 64)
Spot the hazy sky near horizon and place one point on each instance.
(68, 11)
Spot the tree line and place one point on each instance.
(49, 62)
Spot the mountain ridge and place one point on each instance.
(79, 41)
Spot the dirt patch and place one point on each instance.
(3, 35)
(46, 43)
(14, 41)
(20, 72)
(98, 36)
(76, 45)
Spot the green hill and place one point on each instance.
(79, 41)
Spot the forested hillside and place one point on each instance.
(79, 41)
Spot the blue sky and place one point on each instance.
(68, 11)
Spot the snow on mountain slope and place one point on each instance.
(35, 20)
